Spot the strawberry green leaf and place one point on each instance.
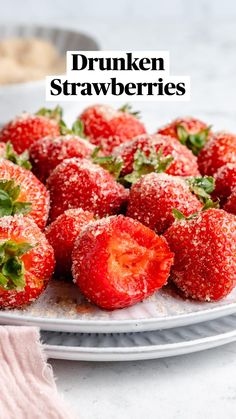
(3, 281)
(202, 187)
(178, 215)
(78, 128)
(19, 159)
(194, 142)
(21, 208)
(211, 204)
(110, 163)
(56, 113)
(12, 269)
(128, 109)
(9, 193)
(143, 164)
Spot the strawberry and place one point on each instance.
(26, 261)
(225, 181)
(107, 127)
(48, 152)
(155, 153)
(154, 196)
(26, 129)
(189, 131)
(230, 205)
(218, 151)
(205, 254)
(79, 183)
(62, 233)
(22, 192)
(118, 262)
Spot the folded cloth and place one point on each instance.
(27, 386)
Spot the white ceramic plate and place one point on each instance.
(62, 308)
(138, 346)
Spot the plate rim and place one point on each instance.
(118, 326)
(138, 353)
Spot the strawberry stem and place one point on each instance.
(195, 142)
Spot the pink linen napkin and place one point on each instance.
(27, 386)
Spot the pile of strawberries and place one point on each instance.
(118, 210)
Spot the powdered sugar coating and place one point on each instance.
(155, 195)
(25, 129)
(62, 233)
(78, 183)
(205, 254)
(184, 162)
(218, 151)
(38, 262)
(107, 127)
(118, 262)
(32, 190)
(225, 181)
(48, 152)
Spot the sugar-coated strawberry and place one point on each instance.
(205, 254)
(118, 262)
(225, 181)
(218, 151)
(22, 192)
(108, 127)
(189, 131)
(78, 183)
(182, 161)
(62, 233)
(230, 205)
(26, 129)
(48, 152)
(26, 261)
(154, 196)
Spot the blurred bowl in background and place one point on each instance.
(29, 96)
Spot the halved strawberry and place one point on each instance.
(218, 151)
(26, 129)
(150, 153)
(48, 152)
(62, 233)
(78, 183)
(154, 196)
(205, 254)
(22, 192)
(26, 261)
(189, 131)
(118, 262)
(108, 127)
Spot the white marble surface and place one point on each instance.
(201, 385)
(197, 386)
